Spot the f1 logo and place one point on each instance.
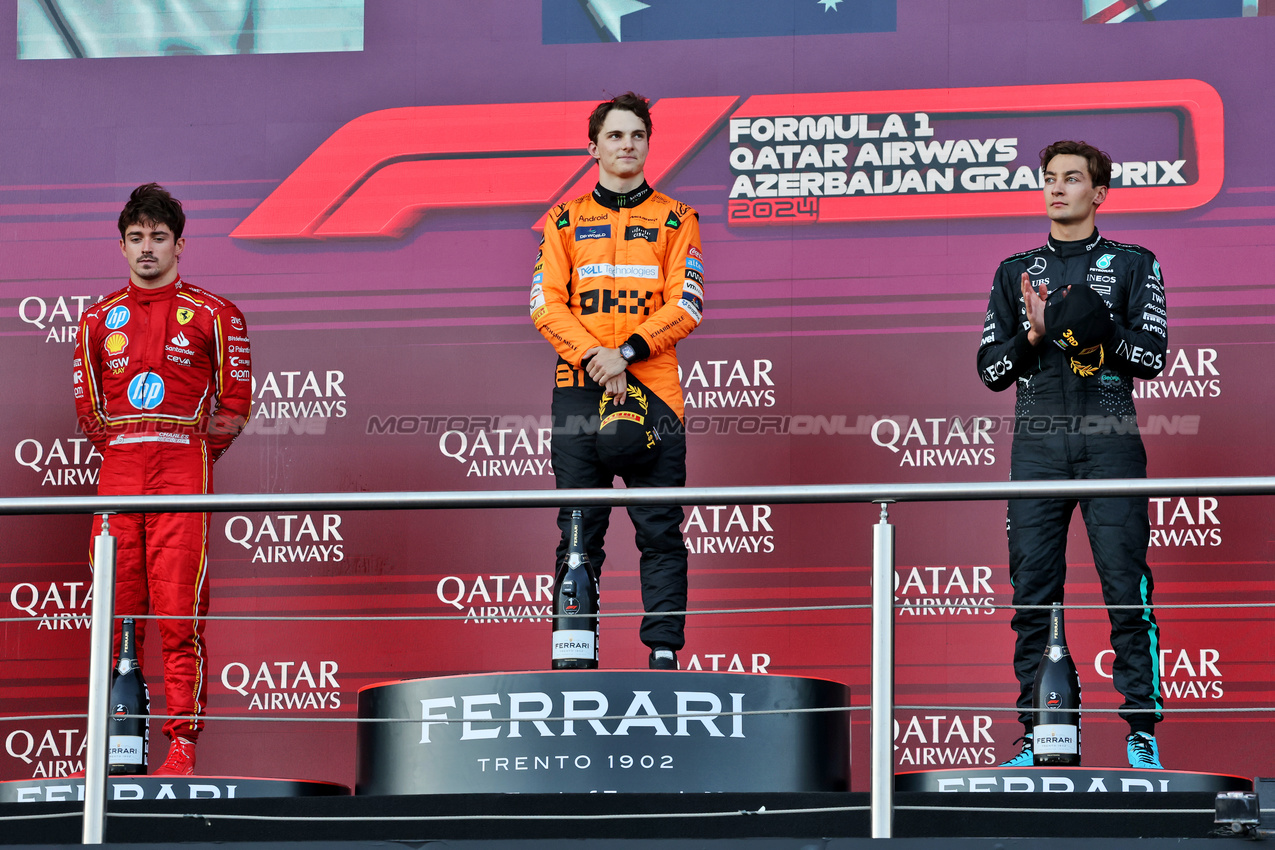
(380, 173)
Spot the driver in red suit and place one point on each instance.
(163, 384)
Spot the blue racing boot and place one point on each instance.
(1025, 758)
(1143, 751)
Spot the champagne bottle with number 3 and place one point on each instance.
(1056, 733)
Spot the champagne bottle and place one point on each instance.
(1056, 701)
(128, 738)
(575, 604)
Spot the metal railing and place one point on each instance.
(882, 690)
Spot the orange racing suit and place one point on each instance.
(614, 269)
(632, 272)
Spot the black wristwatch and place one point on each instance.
(627, 352)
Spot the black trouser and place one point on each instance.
(1118, 529)
(663, 563)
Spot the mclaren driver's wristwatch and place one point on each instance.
(627, 352)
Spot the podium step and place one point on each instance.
(1067, 780)
(123, 788)
(582, 731)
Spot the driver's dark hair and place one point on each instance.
(629, 102)
(1099, 161)
(150, 203)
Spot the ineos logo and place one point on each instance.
(1000, 367)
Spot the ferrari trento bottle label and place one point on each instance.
(1055, 738)
(573, 643)
(126, 749)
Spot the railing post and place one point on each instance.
(883, 677)
(100, 645)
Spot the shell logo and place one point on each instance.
(115, 343)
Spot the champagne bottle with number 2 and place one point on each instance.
(129, 696)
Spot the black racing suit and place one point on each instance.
(1069, 426)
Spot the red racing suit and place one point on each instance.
(163, 385)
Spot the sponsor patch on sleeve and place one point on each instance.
(693, 306)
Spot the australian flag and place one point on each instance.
(1135, 11)
(581, 21)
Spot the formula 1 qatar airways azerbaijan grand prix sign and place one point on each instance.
(794, 158)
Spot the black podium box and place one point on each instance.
(580, 731)
(1067, 780)
(124, 788)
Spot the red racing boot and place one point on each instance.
(180, 761)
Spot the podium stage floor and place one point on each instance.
(531, 821)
